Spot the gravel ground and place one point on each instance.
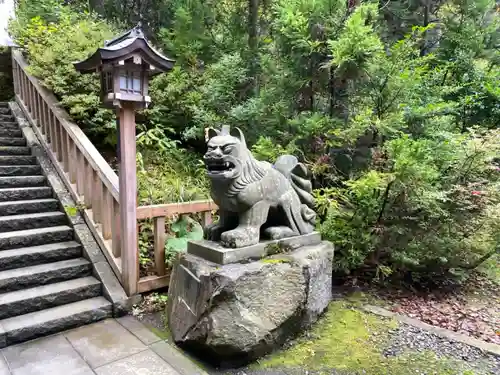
(415, 339)
(405, 338)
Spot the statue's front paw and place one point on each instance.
(240, 237)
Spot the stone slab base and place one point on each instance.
(214, 252)
(235, 313)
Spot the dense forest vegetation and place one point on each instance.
(394, 105)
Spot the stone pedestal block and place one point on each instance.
(232, 314)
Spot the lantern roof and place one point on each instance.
(124, 47)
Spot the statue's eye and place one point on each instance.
(227, 149)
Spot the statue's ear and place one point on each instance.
(212, 133)
(237, 133)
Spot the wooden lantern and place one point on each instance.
(125, 65)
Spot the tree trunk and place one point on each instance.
(253, 41)
(423, 49)
(97, 6)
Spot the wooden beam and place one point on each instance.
(167, 210)
(148, 283)
(128, 199)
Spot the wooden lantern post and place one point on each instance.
(125, 64)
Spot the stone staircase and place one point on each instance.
(46, 285)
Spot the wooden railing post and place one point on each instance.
(96, 185)
(116, 234)
(106, 213)
(207, 218)
(159, 245)
(30, 96)
(14, 75)
(128, 198)
(21, 85)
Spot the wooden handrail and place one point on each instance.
(92, 155)
(86, 174)
(170, 209)
(91, 181)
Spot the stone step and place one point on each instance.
(22, 181)
(7, 117)
(47, 296)
(32, 221)
(7, 141)
(9, 124)
(43, 274)
(20, 170)
(6, 150)
(28, 206)
(35, 237)
(5, 110)
(11, 132)
(25, 193)
(36, 255)
(41, 323)
(17, 160)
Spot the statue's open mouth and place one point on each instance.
(219, 167)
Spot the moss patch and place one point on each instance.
(163, 334)
(277, 248)
(274, 260)
(345, 338)
(350, 340)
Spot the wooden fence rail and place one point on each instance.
(158, 213)
(89, 178)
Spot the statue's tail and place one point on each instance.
(297, 174)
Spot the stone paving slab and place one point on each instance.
(138, 330)
(52, 355)
(110, 347)
(170, 354)
(104, 342)
(4, 369)
(143, 363)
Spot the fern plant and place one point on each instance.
(184, 229)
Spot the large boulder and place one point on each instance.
(232, 314)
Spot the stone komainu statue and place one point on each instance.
(255, 197)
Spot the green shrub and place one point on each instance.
(48, 10)
(174, 176)
(428, 205)
(51, 46)
(390, 113)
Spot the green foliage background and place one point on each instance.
(393, 105)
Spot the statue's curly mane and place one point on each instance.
(252, 171)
